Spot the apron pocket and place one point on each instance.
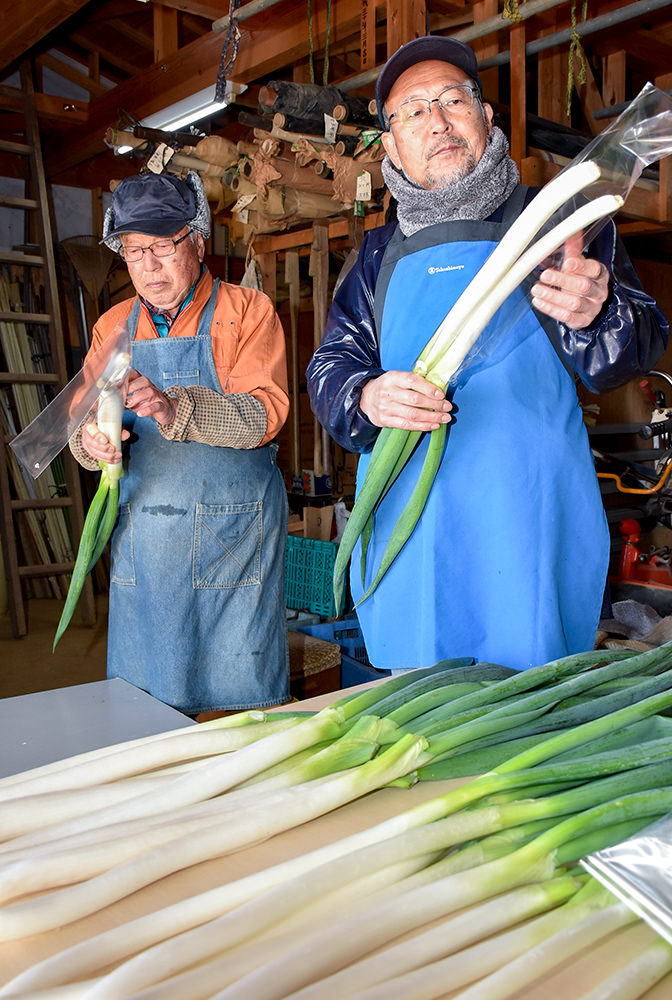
(123, 565)
(191, 377)
(227, 545)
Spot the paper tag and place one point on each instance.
(244, 215)
(159, 158)
(363, 192)
(369, 136)
(243, 202)
(330, 128)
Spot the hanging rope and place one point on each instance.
(576, 53)
(311, 54)
(326, 46)
(229, 52)
(511, 10)
(311, 64)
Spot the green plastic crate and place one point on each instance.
(309, 575)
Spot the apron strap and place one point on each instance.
(514, 204)
(133, 318)
(205, 322)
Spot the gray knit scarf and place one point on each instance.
(475, 196)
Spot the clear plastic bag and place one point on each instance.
(639, 137)
(639, 872)
(46, 436)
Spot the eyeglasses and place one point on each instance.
(161, 248)
(457, 102)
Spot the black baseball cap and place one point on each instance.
(153, 204)
(439, 47)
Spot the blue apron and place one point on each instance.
(509, 560)
(197, 590)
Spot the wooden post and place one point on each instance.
(518, 139)
(268, 265)
(552, 77)
(319, 272)
(97, 211)
(367, 34)
(487, 47)
(613, 78)
(406, 20)
(292, 279)
(165, 31)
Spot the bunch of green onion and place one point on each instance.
(507, 266)
(572, 755)
(102, 513)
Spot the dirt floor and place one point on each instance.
(28, 664)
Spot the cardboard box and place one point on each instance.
(318, 522)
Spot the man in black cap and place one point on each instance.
(197, 608)
(508, 562)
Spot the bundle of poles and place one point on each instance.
(475, 891)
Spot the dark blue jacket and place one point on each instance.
(626, 339)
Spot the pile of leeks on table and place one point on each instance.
(474, 893)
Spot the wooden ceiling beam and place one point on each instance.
(69, 72)
(269, 41)
(48, 107)
(211, 11)
(141, 38)
(112, 58)
(25, 24)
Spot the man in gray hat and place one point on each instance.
(197, 608)
(508, 562)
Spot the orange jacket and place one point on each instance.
(248, 342)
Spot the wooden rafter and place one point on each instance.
(69, 72)
(211, 11)
(141, 38)
(55, 108)
(90, 46)
(25, 24)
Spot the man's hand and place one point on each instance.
(146, 400)
(576, 293)
(99, 446)
(405, 400)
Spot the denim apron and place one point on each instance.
(197, 589)
(509, 560)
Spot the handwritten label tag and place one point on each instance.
(330, 128)
(243, 202)
(160, 158)
(363, 192)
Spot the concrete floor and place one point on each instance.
(28, 664)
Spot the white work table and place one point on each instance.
(39, 728)
(35, 728)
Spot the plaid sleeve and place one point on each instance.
(233, 420)
(76, 447)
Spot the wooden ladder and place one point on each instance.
(42, 506)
